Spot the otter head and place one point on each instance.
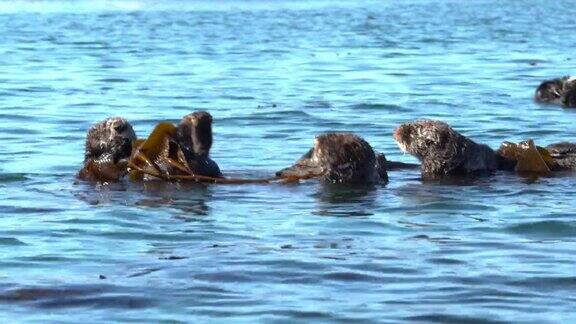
(429, 138)
(552, 91)
(338, 158)
(441, 149)
(113, 136)
(195, 133)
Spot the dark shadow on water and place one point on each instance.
(188, 197)
(100, 296)
(345, 200)
(465, 180)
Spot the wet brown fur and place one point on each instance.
(194, 136)
(107, 149)
(443, 151)
(339, 158)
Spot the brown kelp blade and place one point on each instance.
(510, 151)
(137, 143)
(156, 143)
(159, 148)
(548, 158)
(203, 179)
(102, 171)
(531, 160)
(147, 152)
(176, 160)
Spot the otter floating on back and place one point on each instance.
(107, 150)
(339, 158)
(443, 151)
(194, 136)
(171, 152)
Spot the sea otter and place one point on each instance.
(564, 154)
(339, 158)
(443, 151)
(194, 136)
(526, 156)
(561, 91)
(569, 99)
(171, 152)
(551, 91)
(108, 147)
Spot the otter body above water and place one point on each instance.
(175, 153)
(194, 136)
(564, 155)
(443, 151)
(560, 91)
(107, 150)
(112, 150)
(181, 150)
(339, 158)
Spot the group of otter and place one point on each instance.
(181, 152)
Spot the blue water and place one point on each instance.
(274, 74)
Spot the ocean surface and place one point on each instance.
(274, 74)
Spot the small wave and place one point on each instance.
(548, 229)
(447, 318)
(378, 107)
(351, 276)
(10, 241)
(62, 6)
(13, 177)
(74, 296)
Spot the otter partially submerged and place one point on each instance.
(339, 158)
(107, 150)
(564, 155)
(443, 151)
(561, 91)
(194, 135)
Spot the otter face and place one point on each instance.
(426, 138)
(556, 90)
(561, 148)
(549, 91)
(195, 132)
(113, 136)
(338, 158)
